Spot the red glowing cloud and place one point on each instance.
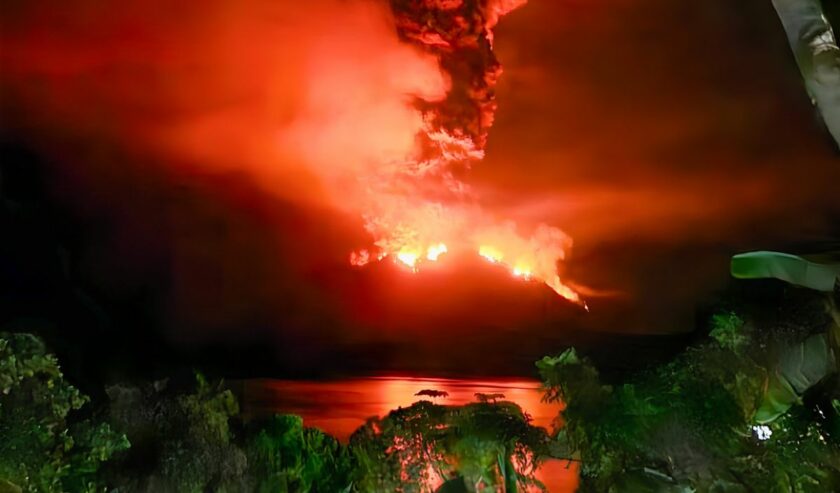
(321, 102)
(281, 90)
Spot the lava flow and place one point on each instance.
(418, 209)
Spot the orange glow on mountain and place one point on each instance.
(490, 253)
(360, 258)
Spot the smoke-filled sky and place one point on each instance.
(208, 159)
(661, 136)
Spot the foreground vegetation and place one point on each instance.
(755, 407)
(159, 438)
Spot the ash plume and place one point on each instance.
(421, 205)
(459, 33)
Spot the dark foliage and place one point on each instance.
(730, 415)
(45, 445)
(477, 444)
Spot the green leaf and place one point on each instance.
(786, 267)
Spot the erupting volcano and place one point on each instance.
(378, 113)
(418, 207)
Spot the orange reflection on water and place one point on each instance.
(339, 407)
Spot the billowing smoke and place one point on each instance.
(459, 34)
(419, 207)
(370, 109)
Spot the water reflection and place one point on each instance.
(339, 407)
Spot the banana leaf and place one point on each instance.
(786, 267)
(800, 367)
(508, 473)
(814, 45)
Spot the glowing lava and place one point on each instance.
(490, 253)
(408, 257)
(435, 251)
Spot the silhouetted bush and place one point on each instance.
(44, 445)
(736, 414)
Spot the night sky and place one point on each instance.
(153, 188)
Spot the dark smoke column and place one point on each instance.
(420, 207)
(459, 33)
